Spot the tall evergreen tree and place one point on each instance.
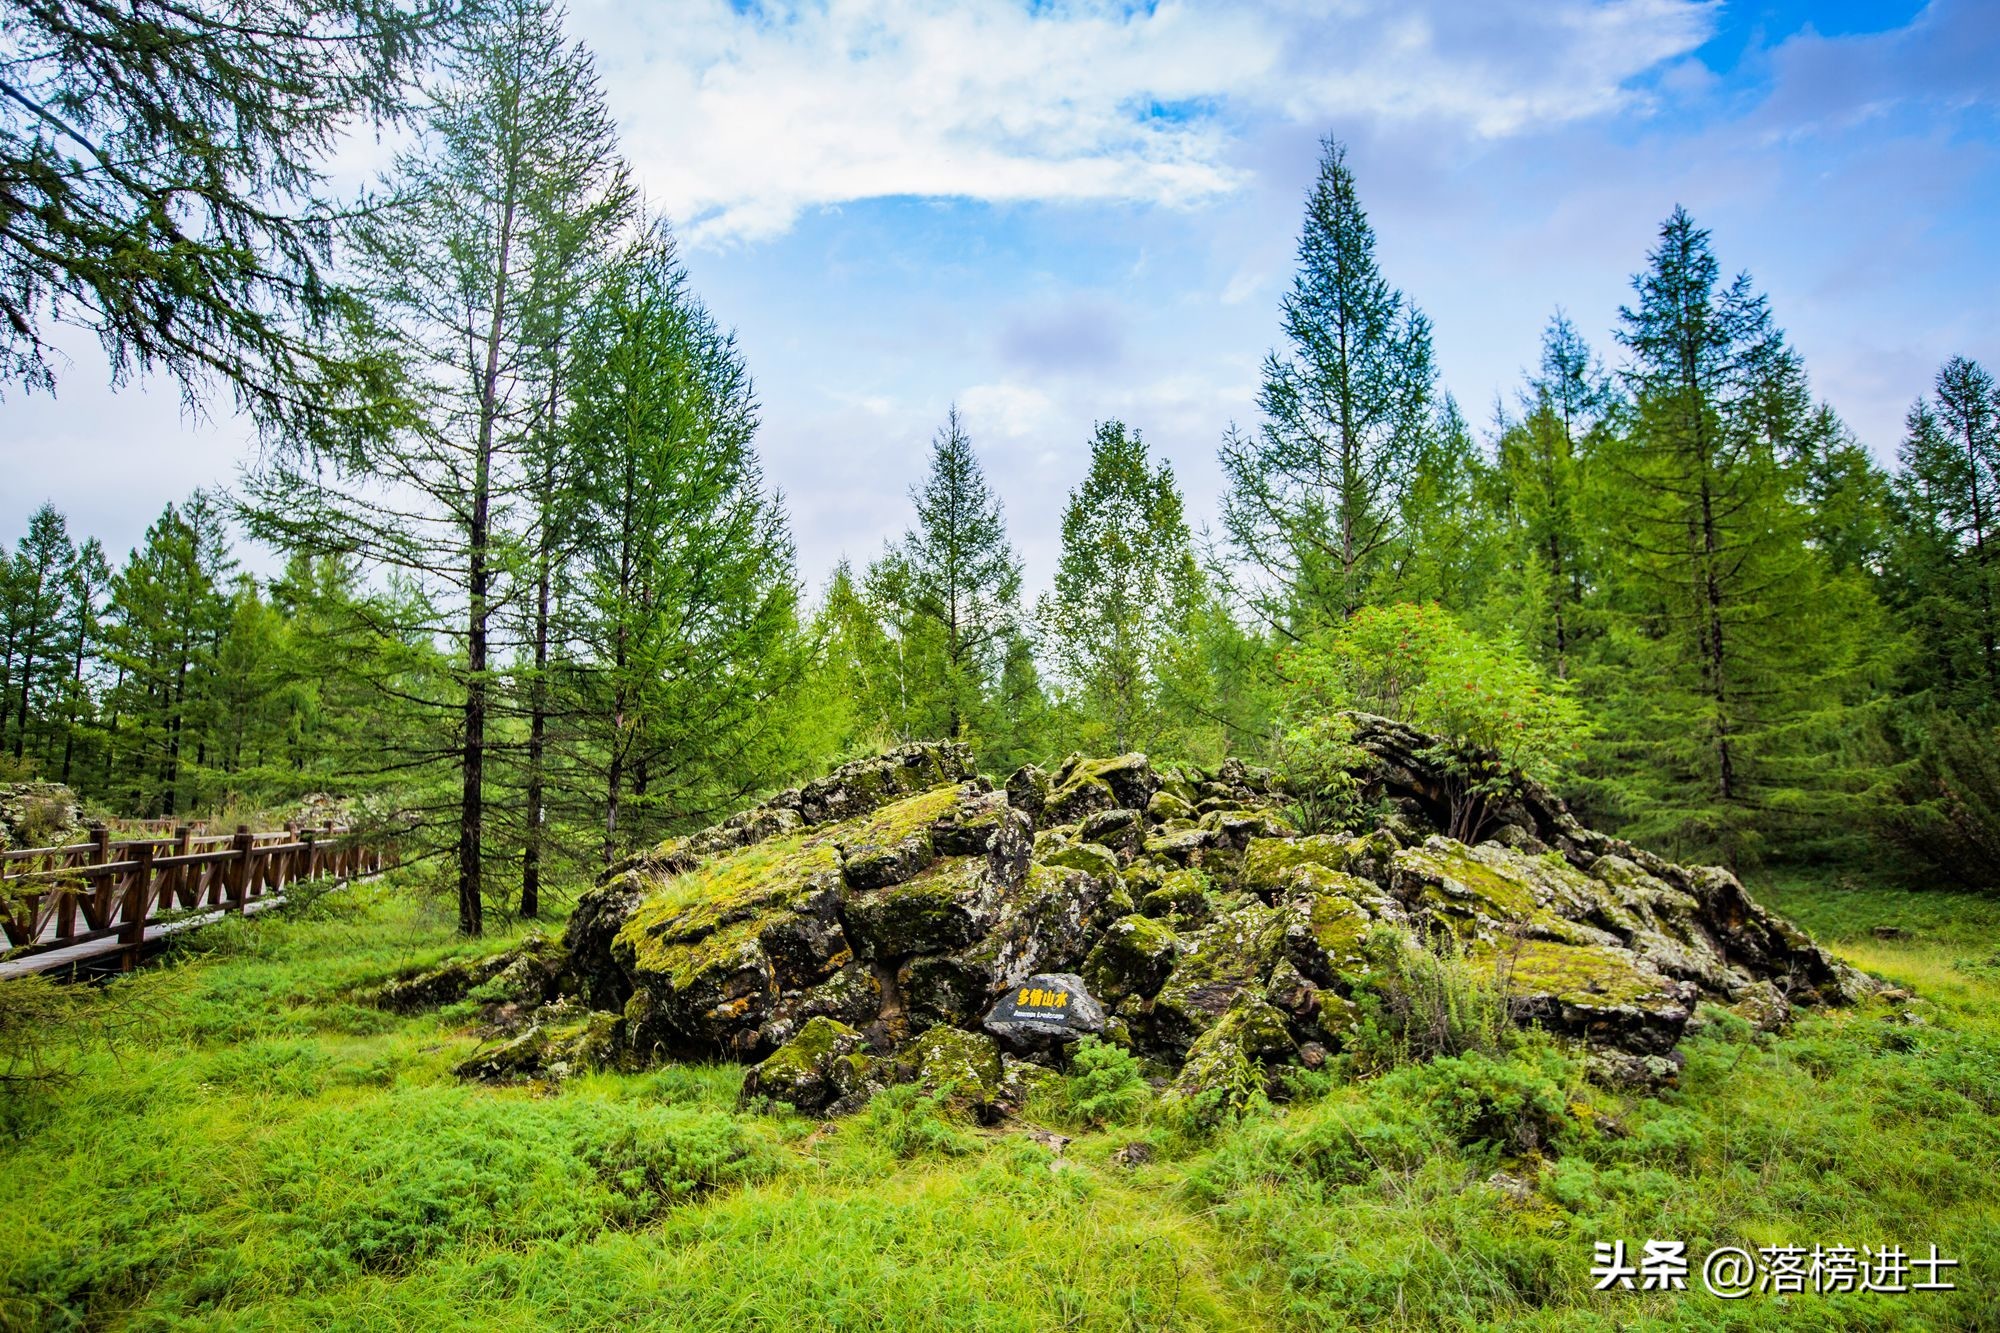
(1126, 586)
(952, 587)
(89, 576)
(1947, 573)
(168, 616)
(42, 564)
(1731, 638)
(517, 149)
(1313, 498)
(1540, 489)
(691, 604)
(164, 182)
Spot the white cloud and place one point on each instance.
(740, 121)
(1014, 411)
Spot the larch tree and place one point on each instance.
(1732, 643)
(689, 613)
(41, 568)
(517, 148)
(89, 576)
(1313, 494)
(1539, 483)
(951, 590)
(1945, 571)
(165, 190)
(1126, 586)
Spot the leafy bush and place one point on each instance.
(910, 1122)
(1518, 1105)
(1497, 714)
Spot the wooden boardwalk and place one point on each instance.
(103, 901)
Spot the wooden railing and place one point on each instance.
(109, 892)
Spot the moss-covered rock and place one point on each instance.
(965, 1066)
(1229, 957)
(815, 1068)
(901, 895)
(1132, 957)
(1227, 1066)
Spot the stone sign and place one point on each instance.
(1051, 1006)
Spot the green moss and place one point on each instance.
(928, 913)
(1093, 860)
(1456, 881)
(1584, 975)
(960, 1064)
(1133, 957)
(1269, 863)
(896, 821)
(730, 889)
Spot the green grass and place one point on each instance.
(267, 1153)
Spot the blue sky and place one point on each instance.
(1055, 213)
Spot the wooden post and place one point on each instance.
(132, 930)
(310, 866)
(100, 855)
(185, 879)
(245, 848)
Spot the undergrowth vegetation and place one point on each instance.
(252, 1147)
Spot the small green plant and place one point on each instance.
(910, 1122)
(1106, 1085)
(1497, 715)
(1319, 762)
(1420, 1004)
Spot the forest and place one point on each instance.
(1487, 852)
(539, 603)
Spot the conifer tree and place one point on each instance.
(89, 575)
(1312, 507)
(168, 615)
(950, 590)
(1732, 643)
(690, 601)
(1540, 493)
(518, 148)
(164, 169)
(1126, 584)
(1946, 573)
(41, 567)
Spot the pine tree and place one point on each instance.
(1539, 491)
(1945, 572)
(168, 615)
(163, 169)
(1312, 505)
(951, 591)
(1126, 582)
(516, 151)
(89, 575)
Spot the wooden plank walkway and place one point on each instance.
(105, 899)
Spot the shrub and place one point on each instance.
(1419, 1005)
(1496, 713)
(1106, 1085)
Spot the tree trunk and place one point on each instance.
(471, 812)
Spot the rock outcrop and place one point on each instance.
(858, 931)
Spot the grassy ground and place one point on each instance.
(262, 1152)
